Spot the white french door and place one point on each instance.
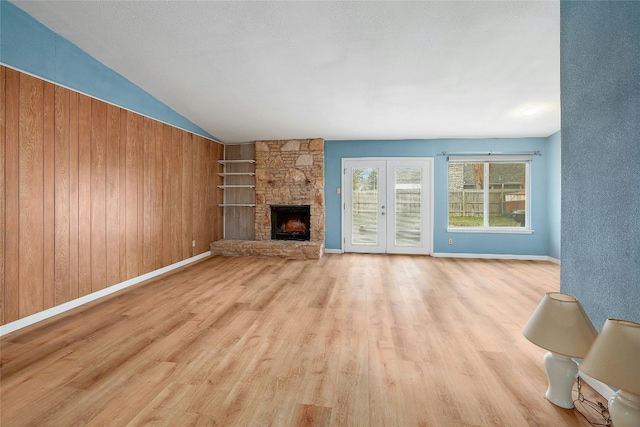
(387, 205)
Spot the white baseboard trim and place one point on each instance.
(482, 256)
(493, 256)
(54, 311)
(602, 389)
(333, 251)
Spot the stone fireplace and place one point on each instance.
(288, 173)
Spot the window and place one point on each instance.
(489, 194)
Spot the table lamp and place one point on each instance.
(560, 325)
(614, 359)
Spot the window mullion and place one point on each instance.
(527, 198)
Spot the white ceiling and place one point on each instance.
(336, 70)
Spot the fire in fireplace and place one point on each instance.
(290, 222)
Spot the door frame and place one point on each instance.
(429, 198)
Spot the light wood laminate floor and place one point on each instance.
(353, 340)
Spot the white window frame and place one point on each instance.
(486, 160)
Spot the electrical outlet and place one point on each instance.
(450, 241)
(193, 243)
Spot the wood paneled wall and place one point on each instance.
(93, 195)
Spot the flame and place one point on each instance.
(294, 224)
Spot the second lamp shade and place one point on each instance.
(560, 325)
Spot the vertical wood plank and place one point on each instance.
(166, 194)
(157, 202)
(176, 195)
(98, 199)
(2, 190)
(31, 232)
(148, 158)
(12, 194)
(140, 248)
(49, 196)
(132, 196)
(122, 227)
(84, 195)
(74, 197)
(210, 190)
(187, 195)
(62, 205)
(197, 186)
(113, 195)
(204, 188)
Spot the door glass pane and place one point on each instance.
(364, 206)
(407, 193)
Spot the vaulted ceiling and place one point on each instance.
(247, 70)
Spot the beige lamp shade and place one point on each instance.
(560, 325)
(614, 357)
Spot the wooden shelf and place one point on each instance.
(226, 162)
(239, 181)
(223, 174)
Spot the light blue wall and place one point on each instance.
(27, 45)
(600, 96)
(554, 193)
(475, 243)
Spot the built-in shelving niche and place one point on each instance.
(239, 191)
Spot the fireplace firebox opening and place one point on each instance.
(290, 222)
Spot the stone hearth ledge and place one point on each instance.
(289, 249)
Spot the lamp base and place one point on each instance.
(624, 409)
(562, 372)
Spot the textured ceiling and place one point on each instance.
(336, 70)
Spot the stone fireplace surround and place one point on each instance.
(288, 172)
